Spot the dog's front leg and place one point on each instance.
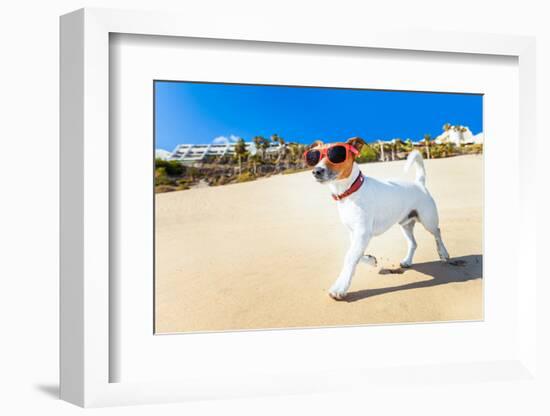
(360, 240)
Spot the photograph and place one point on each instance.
(282, 207)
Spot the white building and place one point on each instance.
(459, 135)
(478, 138)
(187, 153)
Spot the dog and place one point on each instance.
(368, 207)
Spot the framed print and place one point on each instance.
(231, 226)
(252, 283)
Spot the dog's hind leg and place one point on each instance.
(431, 223)
(408, 232)
(441, 250)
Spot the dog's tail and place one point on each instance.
(416, 158)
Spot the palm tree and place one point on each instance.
(400, 146)
(388, 150)
(427, 142)
(459, 136)
(255, 158)
(282, 147)
(240, 151)
(392, 147)
(264, 145)
(397, 146)
(283, 155)
(257, 140)
(294, 149)
(274, 139)
(259, 156)
(408, 145)
(382, 156)
(448, 148)
(297, 151)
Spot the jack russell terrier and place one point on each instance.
(368, 207)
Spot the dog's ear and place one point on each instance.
(356, 142)
(316, 143)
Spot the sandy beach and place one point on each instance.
(263, 254)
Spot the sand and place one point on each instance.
(263, 254)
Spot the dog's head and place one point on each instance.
(325, 170)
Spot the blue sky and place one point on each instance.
(199, 112)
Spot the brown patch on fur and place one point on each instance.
(344, 169)
(356, 142)
(316, 143)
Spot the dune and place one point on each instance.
(263, 254)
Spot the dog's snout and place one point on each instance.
(318, 171)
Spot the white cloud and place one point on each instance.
(225, 140)
(162, 154)
(220, 140)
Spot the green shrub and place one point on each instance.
(245, 177)
(194, 173)
(368, 154)
(161, 178)
(436, 152)
(171, 167)
(164, 188)
(474, 148)
(223, 180)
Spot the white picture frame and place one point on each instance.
(85, 220)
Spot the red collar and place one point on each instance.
(353, 188)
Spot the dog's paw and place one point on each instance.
(370, 260)
(337, 292)
(405, 263)
(337, 295)
(443, 253)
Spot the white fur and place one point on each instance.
(374, 208)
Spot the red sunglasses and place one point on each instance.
(335, 153)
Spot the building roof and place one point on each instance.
(197, 152)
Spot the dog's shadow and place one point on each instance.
(458, 269)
